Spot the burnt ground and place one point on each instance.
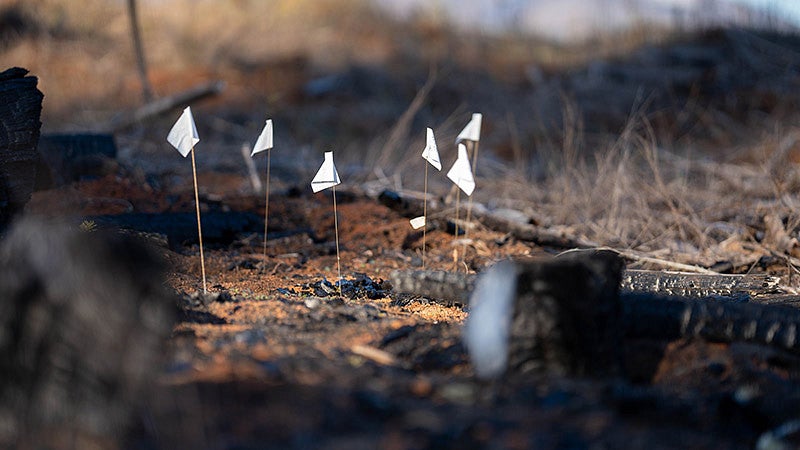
(278, 360)
(691, 152)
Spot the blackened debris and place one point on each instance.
(361, 286)
(198, 299)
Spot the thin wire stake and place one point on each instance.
(458, 199)
(199, 228)
(425, 214)
(474, 165)
(469, 203)
(266, 207)
(336, 227)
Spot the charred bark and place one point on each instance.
(456, 287)
(698, 285)
(713, 319)
(20, 110)
(566, 316)
(564, 308)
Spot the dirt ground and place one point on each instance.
(698, 169)
(281, 361)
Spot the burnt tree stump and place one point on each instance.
(566, 316)
(560, 316)
(20, 111)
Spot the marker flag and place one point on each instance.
(471, 132)
(431, 153)
(326, 176)
(264, 141)
(183, 135)
(461, 172)
(417, 222)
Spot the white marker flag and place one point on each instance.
(417, 222)
(326, 176)
(461, 172)
(183, 135)
(471, 132)
(264, 141)
(431, 153)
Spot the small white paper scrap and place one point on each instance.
(417, 222)
(471, 132)
(431, 153)
(326, 176)
(264, 141)
(183, 135)
(461, 172)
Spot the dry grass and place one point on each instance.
(83, 56)
(633, 193)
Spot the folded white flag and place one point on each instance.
(183, 135)
(471, 132)
(431, 153)
(326, 176)
(417, 222)
(461, 172)
(264, 141)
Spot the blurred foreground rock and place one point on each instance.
(20, 108)
(83, 316)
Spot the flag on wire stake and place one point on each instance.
(431, 155)
(264, 143)
(472, 134)
(461, 172)
(461, 175)
(327, 177)
(183, 136)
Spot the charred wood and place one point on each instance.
(698, 285)
(180, 228)
(411, 206)
(455, 287)
(20, 109)
(566, 316)
(71, 157)
(544, 292)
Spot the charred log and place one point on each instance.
(20, 109)
(565, 306)
(72, 157)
